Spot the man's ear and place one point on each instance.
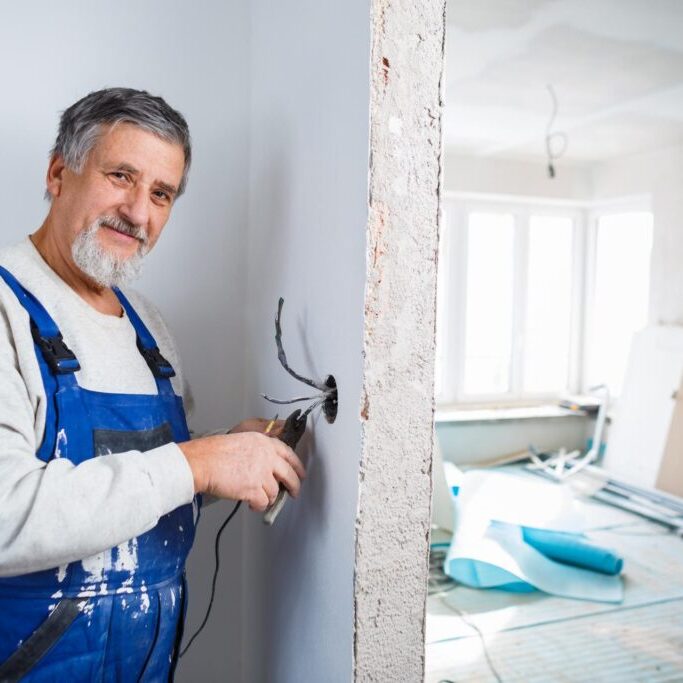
(55, 175)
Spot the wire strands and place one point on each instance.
(217, 561)
(298, 399)
(328, 398)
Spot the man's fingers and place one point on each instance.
(285, 474)
(293, 461)
(276, 430)
(260, 501)
(272, 488)
(285, 452)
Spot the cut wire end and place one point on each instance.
(281, 401)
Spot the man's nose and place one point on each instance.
(135, 207)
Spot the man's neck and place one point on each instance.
(102, 299)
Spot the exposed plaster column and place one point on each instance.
(397, 405)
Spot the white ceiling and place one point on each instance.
(615, 65)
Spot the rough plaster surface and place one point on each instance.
(392, 526)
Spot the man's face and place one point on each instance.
(127, 185)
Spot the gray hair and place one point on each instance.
(81, 125)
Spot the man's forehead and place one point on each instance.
(133, 148)
(124, 135)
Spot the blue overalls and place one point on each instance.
(124, 622)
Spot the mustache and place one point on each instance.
(122, 225)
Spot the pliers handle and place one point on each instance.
(293, 430)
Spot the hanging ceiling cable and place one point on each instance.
(555, 141)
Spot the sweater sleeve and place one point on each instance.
(57, 512)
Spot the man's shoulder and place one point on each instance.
(26, 265)
(15, 256)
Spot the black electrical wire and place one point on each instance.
(327, 393)
(215, 576)
(282, 356)
(328, 387)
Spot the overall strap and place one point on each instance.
(56, 361)
(44, 330)
(160, 367)
(41, 641)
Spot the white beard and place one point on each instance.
(106, 269)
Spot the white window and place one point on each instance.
(489, 307)
(618, 305)
(537, 300)
(546, 345)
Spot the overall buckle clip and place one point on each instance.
(59, 357)
(159, 366)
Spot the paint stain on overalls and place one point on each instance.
(115, 616)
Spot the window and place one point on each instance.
(489, 307)
(548, 315)
(521, 315)
(622, 245)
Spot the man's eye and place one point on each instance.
(119, 175)
(162, 195)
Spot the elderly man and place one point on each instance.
(98, 475)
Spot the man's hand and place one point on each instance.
(259, 424)
(246, 466)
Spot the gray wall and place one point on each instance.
(308, 213)
(195, 55)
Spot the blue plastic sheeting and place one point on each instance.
(520, 535)
(573, 549)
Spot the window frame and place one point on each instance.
(451, 314)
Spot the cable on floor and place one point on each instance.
(439, 585)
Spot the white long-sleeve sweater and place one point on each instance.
(55, 513)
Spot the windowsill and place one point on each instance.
(491, 414)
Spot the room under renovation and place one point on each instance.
(556, 548)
